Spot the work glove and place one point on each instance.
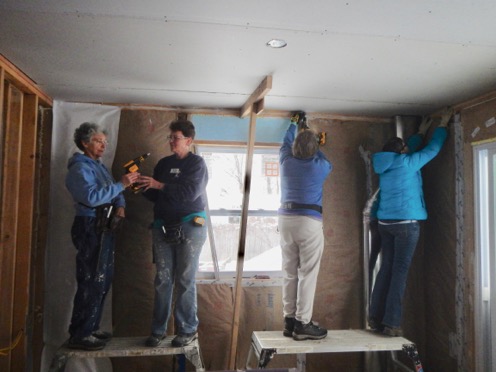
(425, 125)
(300, 119)
(446, 116)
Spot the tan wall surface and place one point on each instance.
(339, 300)
(448, 268)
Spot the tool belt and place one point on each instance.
(291, 205)
(173, 234)
(106, 219)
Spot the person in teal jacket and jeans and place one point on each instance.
(401, 206)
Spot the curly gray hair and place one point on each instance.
(84, 133)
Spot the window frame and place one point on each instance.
(484, 156)
(269, 277)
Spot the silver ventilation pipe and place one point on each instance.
(399, 122)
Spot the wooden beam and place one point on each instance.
(259, 106)
(2, 143)
(242, 242)
(27, 163)
(9, 204)
(23, 82)
(40, 229)
(259, 93)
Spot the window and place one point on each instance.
(226, 167)
(485, 205)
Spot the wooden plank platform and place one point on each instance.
(268, 343)
(337, 341)
(129, 347)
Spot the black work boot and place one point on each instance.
(309, 331)
(393, 331)
(89, 343)
(288, 327)
(375, 325)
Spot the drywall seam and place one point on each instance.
(460, 339)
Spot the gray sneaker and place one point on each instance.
(375, 325)
(393, 331)
(102, 335)
(309, 331)
(154, 340)
(184, 339)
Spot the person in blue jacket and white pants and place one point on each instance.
(401, 206)
(304, 169)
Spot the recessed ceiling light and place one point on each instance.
(276, 43)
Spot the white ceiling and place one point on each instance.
(380, 58)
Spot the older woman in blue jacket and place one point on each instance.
(401, 206)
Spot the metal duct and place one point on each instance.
(399, 122)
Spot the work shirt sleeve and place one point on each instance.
(287, 144)
(87, 186)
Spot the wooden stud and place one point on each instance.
(42, 192)
(182, 116)
(259, 93)
(238, 290)
(25, 225)
(259, 106)
(23, 82)
(9, 219)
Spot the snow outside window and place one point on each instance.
(226, 169)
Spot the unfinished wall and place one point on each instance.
(339, 301)
(446, 259)
(473, 120)
(22, 126)
(430, 307)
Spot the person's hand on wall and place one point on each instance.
(446, 116)
(425, 125)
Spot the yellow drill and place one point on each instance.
(300, 119)
(133, 166)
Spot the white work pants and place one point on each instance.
(302, 244)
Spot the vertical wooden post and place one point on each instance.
(242, 242)
(25, 225)
(40, 228)
(9, 217)
(19, 100)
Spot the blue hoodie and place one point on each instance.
(401, 196)
(91, 184)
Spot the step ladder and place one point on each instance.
(129, 347)
(264, 345)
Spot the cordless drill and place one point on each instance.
(133, 166)
(300, 119)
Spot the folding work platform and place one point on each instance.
(129, 347)
(266, 344)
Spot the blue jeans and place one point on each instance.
(94, 274)
(398, 243)
(176, 266)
